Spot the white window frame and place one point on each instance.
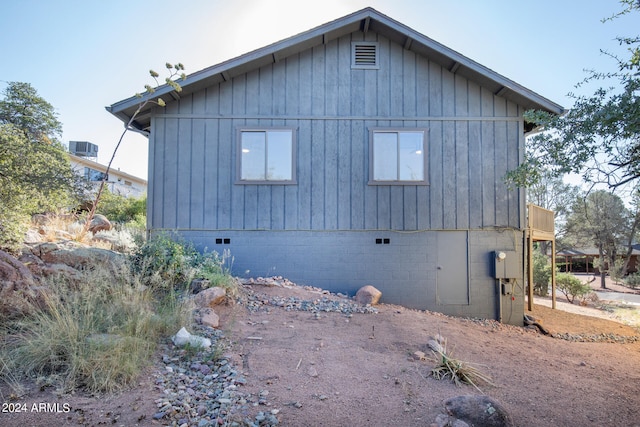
(398, 181)
(266, 130)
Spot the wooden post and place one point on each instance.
(553, 273)
(530, 269)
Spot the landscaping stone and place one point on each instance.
(183, 337)
(368, 295)
(99, 223)
(208, 317)
(478, 410)
(210, 297)
(20, 293)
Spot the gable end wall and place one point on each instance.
(474, 137)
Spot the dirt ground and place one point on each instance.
(334, 370)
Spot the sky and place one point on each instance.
(83, 55)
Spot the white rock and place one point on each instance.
(183, 337)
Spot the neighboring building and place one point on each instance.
(80, 155)
(358, 152)
(581, 260)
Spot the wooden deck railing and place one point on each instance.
(540, 222)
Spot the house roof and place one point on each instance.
(365, 20)
(84, 161)
(581, 252)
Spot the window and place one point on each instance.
(398, 156)
(93, 175)
(266, 156)
(364, 55)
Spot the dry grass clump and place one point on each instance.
(96, 335)
(53, 227)
(458, 371)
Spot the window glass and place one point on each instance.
(279, 145)
(253, 155)
(411, 156)
(93, 175)
(385, 156)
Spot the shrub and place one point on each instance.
(541, 274)
(167, 264)
(632, 280)
(162, 263)
(120, 209)
(571, 286)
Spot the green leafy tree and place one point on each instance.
(599, 137)
(35, 173)
(31, 114)
(601, 220)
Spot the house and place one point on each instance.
(81, 155)
(358, 152)
(581, 260)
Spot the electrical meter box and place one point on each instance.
(506, 265)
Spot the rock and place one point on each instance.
(20, 293)
(478, 411)
(99, 223)
(183, 337)
(197, 285)
(208, 317)
(368, 295)
(210, 297)
(55, 271)
(32, 236)
(78, 257)
(443, 420)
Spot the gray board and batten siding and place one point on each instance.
(427, 246)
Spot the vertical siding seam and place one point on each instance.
(164, 168)
(204, 170)
(217, 189)
(177, 164)
(191, 124)
(324, 170)
(469, 209)
(350, 167)
(191, 169)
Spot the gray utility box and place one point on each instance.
(506, 265)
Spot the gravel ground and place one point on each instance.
(203, 389)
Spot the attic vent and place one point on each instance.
(364, 55)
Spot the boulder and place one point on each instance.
(208, 317)
(477, 410)
(78, 257)
(99, 223)
(368, 295)
(20, 292)
(210, 297)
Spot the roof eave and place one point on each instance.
(367, 19)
